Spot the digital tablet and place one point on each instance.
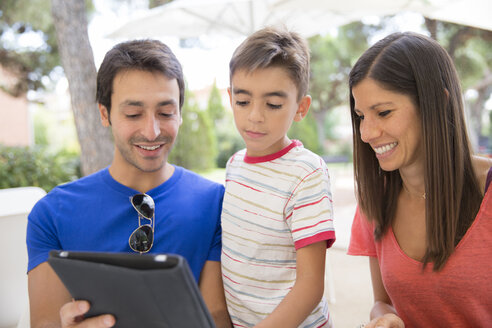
(140, 290)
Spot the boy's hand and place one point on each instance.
(72, 315)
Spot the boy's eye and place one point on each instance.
(274, 106)
(241, 103)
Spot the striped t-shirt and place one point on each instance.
(272, 206)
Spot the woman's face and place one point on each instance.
(390, 124)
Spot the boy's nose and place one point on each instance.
(255, 114)
(151, 129)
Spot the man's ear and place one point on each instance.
(302, 108)
(103, 111)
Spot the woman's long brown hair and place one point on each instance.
(417, 66)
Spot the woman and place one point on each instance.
(423, 218)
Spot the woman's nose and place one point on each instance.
(369, 130)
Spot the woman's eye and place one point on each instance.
(384, 113)
(359, 117)
(274, 106)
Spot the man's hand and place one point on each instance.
(71, 315)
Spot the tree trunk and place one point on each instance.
(70, 21)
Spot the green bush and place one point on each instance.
(195, 147)
(229, 140)
(35, 166)
(306, 132)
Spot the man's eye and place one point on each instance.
(274, 106)
(166, 114)
(132, 115)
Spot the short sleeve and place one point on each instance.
(41, 236)
(216, 246)
(362, 236)
(310, 215)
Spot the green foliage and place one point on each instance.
(23, 166)
(332, 58)
(30, 64)
(195, 147)
(306, 132)
(229, 140)
(215, 108)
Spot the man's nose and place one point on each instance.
(151, 129)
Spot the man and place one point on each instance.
(140, 91)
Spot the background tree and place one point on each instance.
(471, 50)
(70, 19)
(332, 58)
(195, 147)
(228, 139)
(28, 63)
(307, 132)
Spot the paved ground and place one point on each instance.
(348, 275)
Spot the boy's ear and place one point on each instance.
(103, 111)
(302, 108)
(229, 92)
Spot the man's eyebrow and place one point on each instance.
(135, 103)
(237, 91)
(167, 102)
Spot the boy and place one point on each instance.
(277, 216)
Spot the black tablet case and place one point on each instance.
(140, 290)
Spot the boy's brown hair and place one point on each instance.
(274, 47)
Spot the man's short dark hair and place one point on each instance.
(144, 55)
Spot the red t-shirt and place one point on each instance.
(460, 295)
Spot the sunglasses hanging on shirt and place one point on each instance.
(142, 239)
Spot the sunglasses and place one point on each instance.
(142, 239)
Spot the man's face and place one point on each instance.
(145, 119)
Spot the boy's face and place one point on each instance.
(145, 119)
(264, 103)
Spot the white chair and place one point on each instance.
(15, 205)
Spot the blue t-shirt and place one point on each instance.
(94, 213)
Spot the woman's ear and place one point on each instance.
(302, 108)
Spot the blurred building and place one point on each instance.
(15, 124)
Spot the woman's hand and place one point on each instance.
(389, 320)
